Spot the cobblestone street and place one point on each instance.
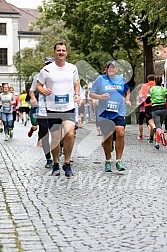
(93, 211)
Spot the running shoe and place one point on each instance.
(108, 166)
(156, 147)
(120, 166)
(6, 138)
(11, 133)
(56, 170)
(1, 130)
(163, 140)
(151, 140)
(49, 163)
(68, 171)
(140, 138)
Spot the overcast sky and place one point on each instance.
(25, 3)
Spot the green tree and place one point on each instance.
(30, 60)
(147, 20)
(26, 63)
(129, 28)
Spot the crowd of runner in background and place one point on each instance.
(86, 112)
(148, 104)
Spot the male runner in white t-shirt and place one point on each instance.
(62, 91)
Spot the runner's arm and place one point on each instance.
(42, 90)
(127, 98)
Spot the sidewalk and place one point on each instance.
(94, 211)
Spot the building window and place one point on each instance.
(3, 56)
(2, 29)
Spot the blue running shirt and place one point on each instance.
(114, 106)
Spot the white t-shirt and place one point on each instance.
(61, 81)
(34, 83)
(5, 101)
(41, 98)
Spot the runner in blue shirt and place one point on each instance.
(113, 94)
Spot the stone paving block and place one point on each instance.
(7, 235)
(93, 212)
(8, 241)
(30, 249)
(31, 238)
(32, 245)
(51, 248)
(10, 249)
(67, 249)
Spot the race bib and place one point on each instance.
(62, 99)
(113, 106)
(6, 109)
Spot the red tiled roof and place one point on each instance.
(26, 16)
(7, 8)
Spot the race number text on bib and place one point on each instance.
(62, 99)
(6, 109)
(113, 106)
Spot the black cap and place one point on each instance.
(48, 60)
(111, 62)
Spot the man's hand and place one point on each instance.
(47, 91)
(77, 98)
(43, 91)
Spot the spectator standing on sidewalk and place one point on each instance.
(113, 94)
(62, 91)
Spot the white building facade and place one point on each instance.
(14, 36)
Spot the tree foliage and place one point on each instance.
(98, 31)
(26, 63)
(30, 60)
(115, 27)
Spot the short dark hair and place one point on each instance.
(5, 84)
(151, 77)
(158, 80)
(60, 43)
